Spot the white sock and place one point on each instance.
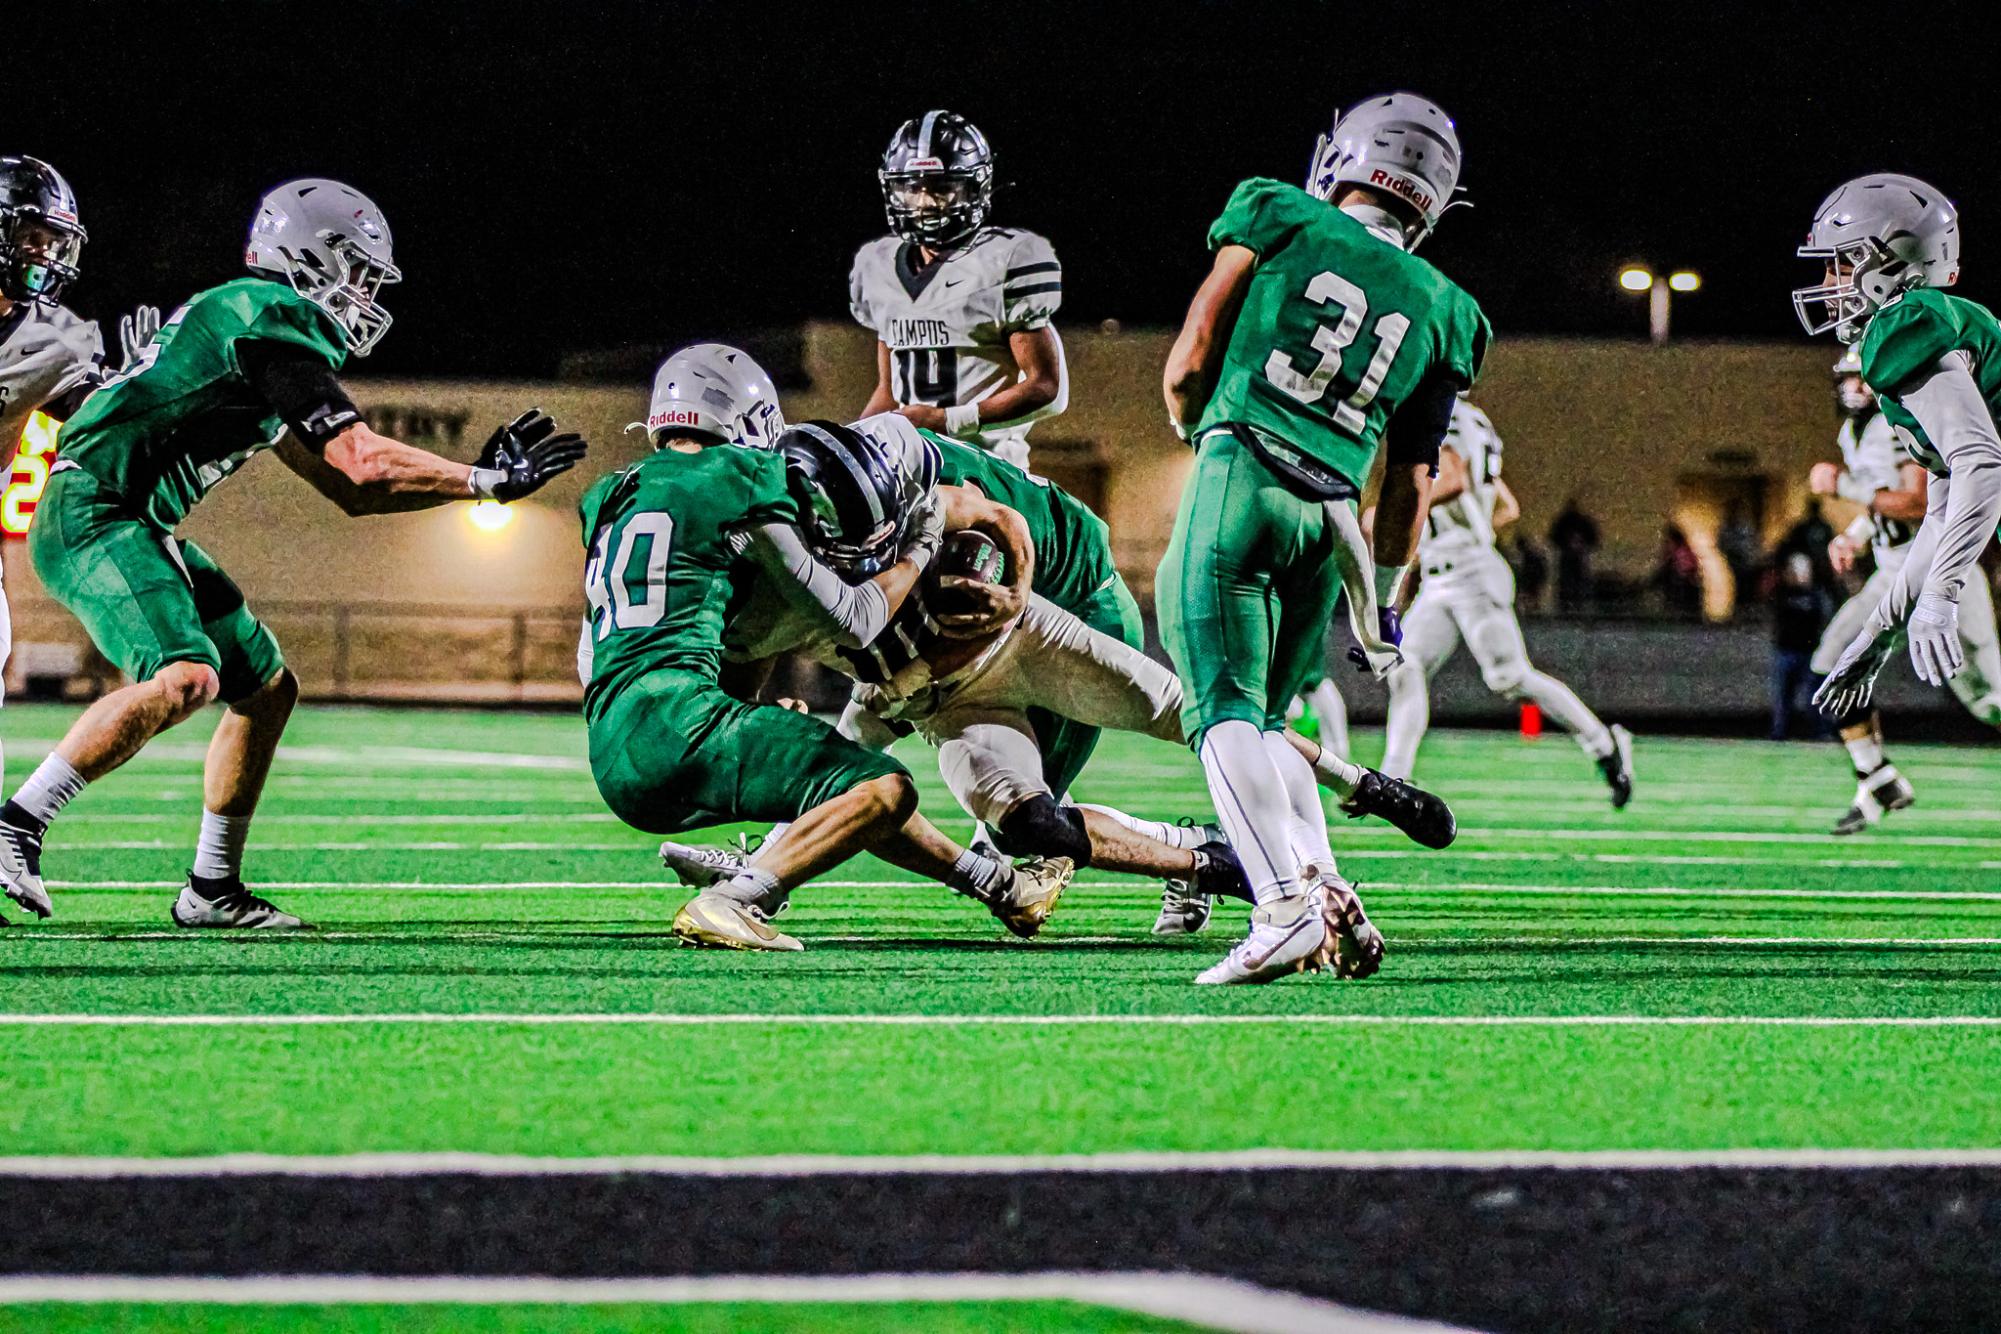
(50, 788)
(1865, 753)
(1332, 711)
(753, 886)
(1309, 817)
(1252, 804)
(975, 875)
(1174, 835)
(1410, 715)
(1567, 711)
(219, 849)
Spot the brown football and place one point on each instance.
(966, 554)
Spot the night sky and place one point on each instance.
(570, 176)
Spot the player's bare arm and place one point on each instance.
(883, 397)
(1506, 508)
(1038, 392)
(967, 508)
(1197, 354)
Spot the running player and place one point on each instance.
(1316, 329)
(1469, 593)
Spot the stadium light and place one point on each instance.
(1639, 278)
(489, 516)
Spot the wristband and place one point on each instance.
(1180, 431)
(1863, 531)
(962, 419)
(483, 481)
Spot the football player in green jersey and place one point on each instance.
(1316, 331)
(671, 750)
(1888, 244)
(230, 374)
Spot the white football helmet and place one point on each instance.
(1892, 233)
(1403, 145)
(332, 244)
(1854, 397)
(718, 390)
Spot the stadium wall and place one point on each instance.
(429, 604)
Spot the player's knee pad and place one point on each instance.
(1040, 827)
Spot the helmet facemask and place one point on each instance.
(343, 279)
(38, 255)
(937, 209)
(1861, 275)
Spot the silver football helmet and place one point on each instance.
(717, 390)
(332, 244)
(1851, 394)
(1883, 234)
(1403, 145)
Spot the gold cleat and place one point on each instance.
(1031, 896)
(1354, 947)
(715, 921)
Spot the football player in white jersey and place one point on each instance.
(50, 357)
(1876, 473)
(961, 310)
(1469, 593)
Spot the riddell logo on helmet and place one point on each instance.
(1402, 185)
(925, 164)
(675, 417)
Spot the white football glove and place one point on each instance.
(135, 331)
(1934, 632)
(1849, 686)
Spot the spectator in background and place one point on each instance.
(1574, 534)
(1737, 542)
(1811, 537)
(1801, 608)
(1678, 576)
(1531, 572)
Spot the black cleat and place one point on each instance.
(21, 867)
(1618, 767)
(1424, 818)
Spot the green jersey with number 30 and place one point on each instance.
(1908, 336)
(1336, 330)
(163, 434)
(661, 540)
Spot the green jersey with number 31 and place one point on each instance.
(1336, 330)
(661, 537)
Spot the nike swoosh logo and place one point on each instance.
(1309, 919)
(953, 283)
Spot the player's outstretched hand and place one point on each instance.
(529, 453)
(989, 607)
(135, 331)
(1934, 632)
(1849, 686)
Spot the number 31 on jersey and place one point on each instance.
(1331, 341)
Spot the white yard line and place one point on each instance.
(1415, 941)
(672, 1020)
(392, 1165)
(1214, 1303)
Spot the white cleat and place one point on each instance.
(233, 907)
(717, 921)
(700, 867)
(21, 869)
(1184, 910)
(1287, 936)
(1357, 945)
(1031, 894)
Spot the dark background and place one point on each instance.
(564, 176)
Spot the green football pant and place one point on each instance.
(672, 752)
(1245, 590)
(1065, 743)
(145, 597)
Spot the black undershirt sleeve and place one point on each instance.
(1418, 426)
(64, 405)
(300, 387)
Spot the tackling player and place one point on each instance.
(1888, 244)
(1878, 475)
(1316, 330)
(961, 310)
(1469, 593)
(229, 375)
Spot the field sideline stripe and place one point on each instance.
(1212, 1303)
(391, 1164)
(1468, 888)
(1416, 941)
(669, 1019)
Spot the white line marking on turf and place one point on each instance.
(660, 1019)
(1213, 1303)
(392, 1165)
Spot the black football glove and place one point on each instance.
(523, 456)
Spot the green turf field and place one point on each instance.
(1704, 970)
